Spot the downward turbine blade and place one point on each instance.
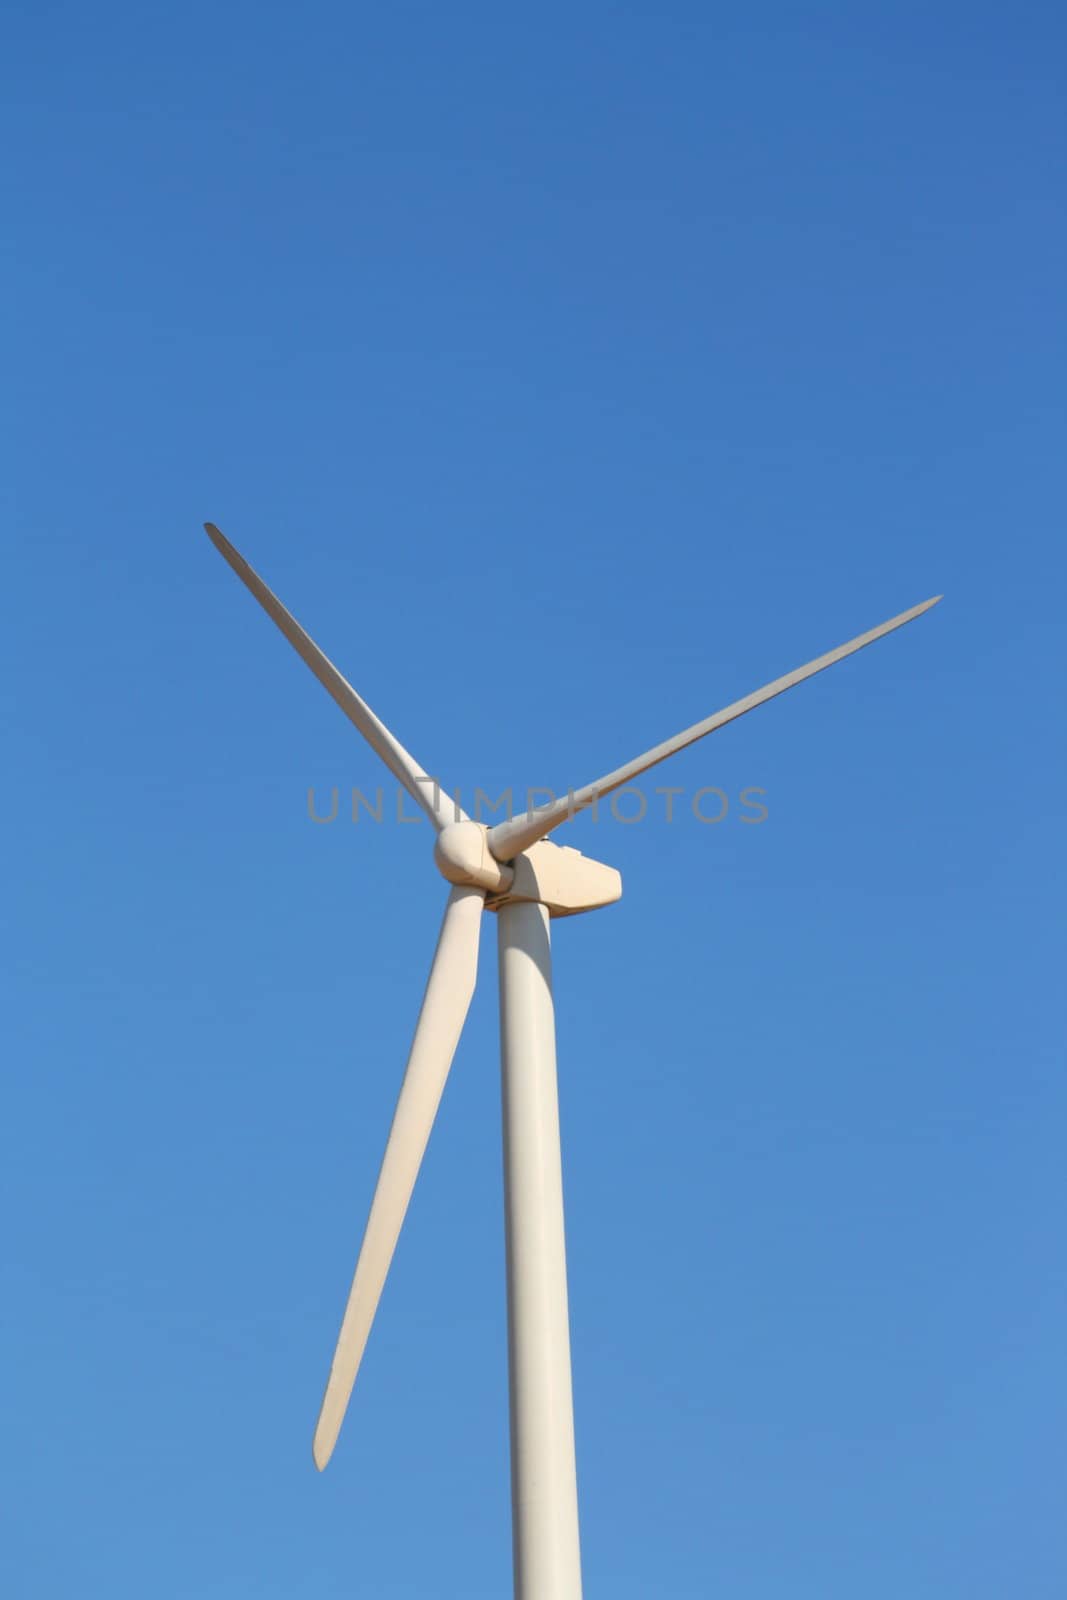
(509, 839)
(444, 1011)
(423, 789)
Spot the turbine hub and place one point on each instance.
(463, 856)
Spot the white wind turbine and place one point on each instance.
(513, 870)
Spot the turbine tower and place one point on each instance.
(514, 870)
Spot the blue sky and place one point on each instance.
(569, 374)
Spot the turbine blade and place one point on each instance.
(444, 1011)
(509, 839)
(423, 789)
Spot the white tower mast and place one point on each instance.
(544, 1488)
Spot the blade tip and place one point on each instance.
(923, 607)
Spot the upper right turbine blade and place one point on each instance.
(511, 838)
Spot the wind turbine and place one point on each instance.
(512, 869)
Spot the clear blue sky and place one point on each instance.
(569, 373)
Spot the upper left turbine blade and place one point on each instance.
(438, 806)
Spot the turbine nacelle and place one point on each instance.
(560, 878)
(547, 874)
